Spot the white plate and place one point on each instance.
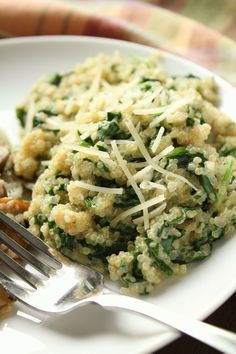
(93, 329)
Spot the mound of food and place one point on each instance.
(135, 170)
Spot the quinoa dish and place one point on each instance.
(133, 171)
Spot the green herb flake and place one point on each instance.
(189, 122)
(222, 192)
(153, 252)
(191, 76)
(48, 112)
(88, 201)
(102, 167)
(146, 86)
(21, 114)
(38, 219)
(37, 121)
(85, 143)
(62, 187)
(51, 191)
(113, 115)
(56, 79)
(207, 186)
(59, 174)
(184, 156)
(127, 199)
(226, 152)
(101, 148)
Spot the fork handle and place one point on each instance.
(220, 339)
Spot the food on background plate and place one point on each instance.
(134, 170)
(11, 203)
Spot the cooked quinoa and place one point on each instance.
(135, 170)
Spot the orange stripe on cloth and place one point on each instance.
(105, 27)
(40, 18)
(203, 48)
(135, 12)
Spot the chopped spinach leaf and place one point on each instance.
(67, 241)
(125, 230)
(88, 201)
(191, 76)
(102, 222)
(113, 115)
(110, 131)
(38, 219)
(101, 147)
(62, 187)
(51, 191)
(103, 252)
(145, 79)
(59, 174)
(146, 86)
(21, 114)
(226, 152)
(189, 122)
(222, 192)
(37, 121)
(184, 156)
(47, 111)
(154, 251)
(167, 244)
(127, 199)
(56, 79)
(104, 182)
(101, 166)
(207, 186)
(86, 142)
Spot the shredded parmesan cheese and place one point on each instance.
(93, 188)
(151, 185)
(152, 214)
(171, 109)
(123, 165)
(164, 152)
(148, 158)
(157, 140)
(147, 111)
(137, 208)
(87, 150)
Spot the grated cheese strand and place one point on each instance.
(164, 152)
(67, 126)
(123, 165)
(147, 111)
(87, 150)
(93, 188)
(148, 168)
(148, 158)
(152, 214)
(157, 140)
(171, 109)
(137, 208)
(151, 185)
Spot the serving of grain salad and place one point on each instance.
(134, 171)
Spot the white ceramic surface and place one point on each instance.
(92, 329)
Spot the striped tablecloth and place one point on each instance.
(149, 22)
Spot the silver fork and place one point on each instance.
(58, 288)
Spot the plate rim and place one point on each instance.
(148, 49)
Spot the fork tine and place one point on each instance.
(21, 251)
(34, 241)
(24, 274)
(14, 289)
